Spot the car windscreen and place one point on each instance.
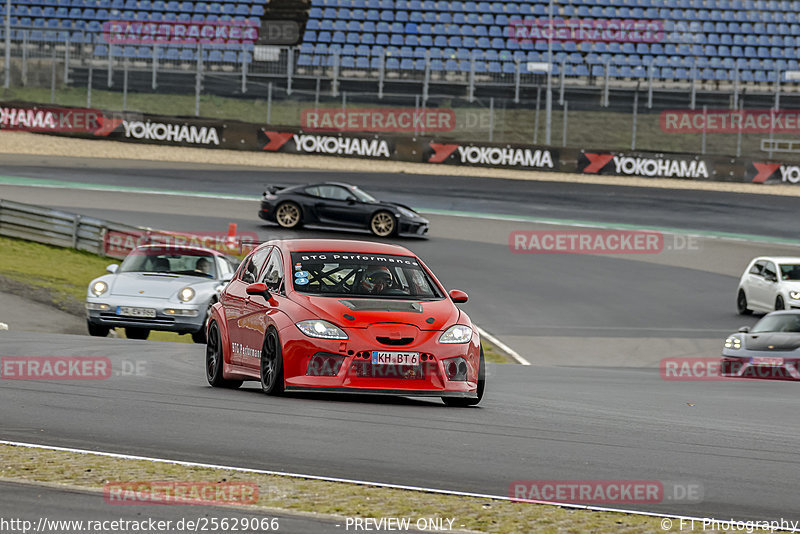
(778, 323)
(339, 274)
(363, 196)
(790, 271)
(158, 260)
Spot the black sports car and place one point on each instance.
(338, 204)
(771, 349)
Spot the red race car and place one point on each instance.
(334, 315)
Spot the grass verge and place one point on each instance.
(292, 494)
(57, 277)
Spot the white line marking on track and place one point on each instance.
(742, 524)
(502, 346)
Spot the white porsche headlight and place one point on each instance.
(321, 329)
(795, 295)
(99, 287)
(733, 343)
(186, 294)
(458, 333)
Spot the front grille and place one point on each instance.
(142, 320)
(390, 341)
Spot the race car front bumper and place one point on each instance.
(169, 316)
(347, 366)
(777, 366)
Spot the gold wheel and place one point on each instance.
(382, 224)
(288, 215)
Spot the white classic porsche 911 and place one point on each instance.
(159, 287)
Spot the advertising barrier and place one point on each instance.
(392, 144)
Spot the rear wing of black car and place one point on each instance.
(272, 189)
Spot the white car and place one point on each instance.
(769, 283)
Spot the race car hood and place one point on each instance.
(365, 312)
(153, 285)
(778, 341)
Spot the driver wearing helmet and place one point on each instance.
(376, 280)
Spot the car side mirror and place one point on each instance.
(744, 329)
(227, 278)
(259, 288)
(458, 296)
(351, 201)
(112, 268)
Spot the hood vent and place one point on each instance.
(383, 305)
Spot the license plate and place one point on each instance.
(766, 360)
(136, 312)
(395, 358)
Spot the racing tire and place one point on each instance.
(214, 356)
(741, 303)
(779, 304)
(200, 335)
(136, 333)
(288, 215)
(97, 330)
(272, 364)
(383, 224)
(462, 403)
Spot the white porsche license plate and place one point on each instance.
(136, 312)
(766, 360)
(394, 358)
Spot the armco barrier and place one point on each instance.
(57, 228)
(103, 238)
(236, 135)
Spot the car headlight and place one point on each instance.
(456, 334)
(795, 295)
(733, 343)
(321, 329)
(186, 294)
(99, 287)
(405, 212)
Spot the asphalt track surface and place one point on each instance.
(593, 407)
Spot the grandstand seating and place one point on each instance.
(708, 39)
(81, 21)
(704, 38)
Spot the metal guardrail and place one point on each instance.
(96, 236)
(61, 229)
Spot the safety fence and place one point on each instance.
(525, 103)
(97, 236)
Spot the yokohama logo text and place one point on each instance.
(516, 157)
(173, 133)
(663, 168)
(350, 146)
